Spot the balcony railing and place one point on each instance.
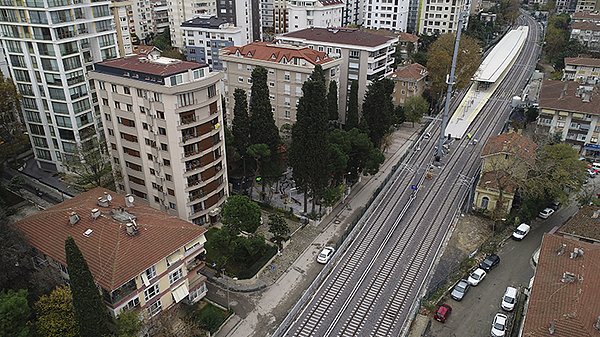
(191, 153)
(188, 120)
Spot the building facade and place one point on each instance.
(441, 16)
(582, 69)
(139, 257)
(162, 119)
(245, 14)
(571, 110)
(123, 17)
(50, 46)
(365, 57)
(409, 81)
(587, 5)
(288, 67)
(314, 13)
(353, 13)
(204, 36)
(588, 33)
(383, 14)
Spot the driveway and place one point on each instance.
(473, 316)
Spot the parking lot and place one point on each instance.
(473, 316)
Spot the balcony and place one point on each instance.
(187, 120)
(125, 291)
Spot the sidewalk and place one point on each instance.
(295, 269)
(47, 178)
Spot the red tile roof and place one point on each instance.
(349, 36)
(415, 72)
(586, 16)
(587, 25)
(571, 307)
(407, 37)
(561, 95)
(585, 224)
(582, 61)
(141, 63)
(493, 180)
(113, 256)
(275, 53)
(512, 143)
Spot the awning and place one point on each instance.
(172, 259)
(180, 293)
(145, 279)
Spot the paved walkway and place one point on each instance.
(47, 178)
(295, 269)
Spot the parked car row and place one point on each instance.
(500, 322)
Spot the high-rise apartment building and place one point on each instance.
(163, 124)
(123, 17)
(245, 14)
(314, 13)
(182, 11)
(353, 13)
(441, 16)
(384, 14)
(50, 45)
(288, 67)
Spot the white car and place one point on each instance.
(509, 299)
(499, 325)
(476, 276)
(325, 255)
(546, 213)
(521, 231)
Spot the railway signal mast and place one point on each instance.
(450, 82)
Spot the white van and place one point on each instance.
(596, 166)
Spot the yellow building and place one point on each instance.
(140, 258)
(506, 159)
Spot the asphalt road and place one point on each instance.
(474, 314)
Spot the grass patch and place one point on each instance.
(208, 316)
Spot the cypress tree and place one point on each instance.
(332, 102)
(90, 313)
(241, 122)
(352, 115)
(262, 124)
(378, 109)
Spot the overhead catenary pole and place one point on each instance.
(450, 82)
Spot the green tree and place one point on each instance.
(309, 139)
(378, 109)
(557, 37)
(55, 314)
(90, 165)
(241, 122)
(262, 124)
(15, 260)
(90, 312)
(241, 213)
(531, 114)
(415, 108)
(332, 102)
(399, 117)
(163, 40)
(440, 59)
(173, 53)
(260, 153)
(128, 324)
(359, 153)
(352, 115)
(220, 247)
(14, 313)
(279, 228)
(16, 183)
(10, 106)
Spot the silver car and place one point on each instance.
(460, 289)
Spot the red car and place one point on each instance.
(442, 313)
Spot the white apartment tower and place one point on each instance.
(184, 10)
(314, 13)
(163, 125)
(50, 45)
(123, 17)
(387, 14)
(441, 16)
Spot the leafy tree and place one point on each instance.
(128, 324)
(250, 249)
(260, 153)
(415, 108)
(241, 122)
(573, 48)
(16, 183)
(15, 260)
(352, 115)
(378, 109)
(278, 227)
(262, 124)
(163, 40)
(531, 114)
(399, 117)
(14, 313)
(355, 152)
(440, 59)
(10, 106)
(332, 102)
(90, 312)
(55, 314)
(90, 165)
(241, 213)
(309, 139)
(221, 243)
(557, 37)
(173, 53)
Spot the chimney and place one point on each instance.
(95, 213)
(103, 202)
(131, 229)
(129, 200)
(73, 218)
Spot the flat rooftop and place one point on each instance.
(349, 36)
(147, 64)
(501, 56)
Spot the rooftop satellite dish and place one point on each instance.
(109, 198)
(129, 199)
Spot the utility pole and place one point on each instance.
(450, 82)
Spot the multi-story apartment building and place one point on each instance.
(274, 17)
(571, 110)
(245, 14)
(139, 257)
(161, 16)
(288, 67)
(365, 56)
(588, 33)
(143, 19)
(441, 16)
(49, 46)
(180, 12)
(407, 44)
(584, 70)
(204, 36)
(353, 13)
(587, 5)
(162, 119)
(123, 17)
(409, 81)
(314, 13)
(383, 14)
(586, 16)
(565, 6)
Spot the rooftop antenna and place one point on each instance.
(450, 82)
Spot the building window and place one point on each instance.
(162, 131)
(185, 99)
(168, 177)
(150, 272)
(485, 202)
(164, 147)
(172, 205)
(155, 308)
(176, 275)
(151, 291)
(166, 162)
(170, 191)
(105, 102)
(212, 91)
(114, 88)
(160, 114)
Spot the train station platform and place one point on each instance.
(485, 81)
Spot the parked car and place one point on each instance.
(509, 299)
(521, 231)
(591, 173)
(546, 213)
(555, 205)
(499, 325)
(460, 290)
(442, 313)
(490, 262)
(476, 276)
(325, 255)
